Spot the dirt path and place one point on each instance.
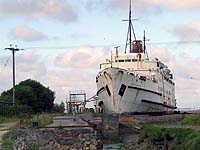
(4, 128)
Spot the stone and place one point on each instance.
(79, 145)
(94, 141)
(57, 139)
(41, 142)
(93, 147)
(110, 126)
(87, 143)
(87, 137)
(87, 148)
(67, 147)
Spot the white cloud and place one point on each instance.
(64, 81)
(78, 36)
(84, 57)
(28, 65)
(145, 5)
(93, 5)
(61, 10)
(79, 69)
(26, 34)
(188, 31)
(31, 65)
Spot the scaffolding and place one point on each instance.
(77, 101)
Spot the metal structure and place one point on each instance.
(3, 107)
(130, 30)
(4, 103)
(78, 100)
(13, 50)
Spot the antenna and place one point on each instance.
(116, 51)
(145, 50)
(130, 40)
(111, 59)
(144, 42)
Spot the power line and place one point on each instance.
(2, 52)
(4, 66)
(110, 45)
(176, 42)
(66, 47)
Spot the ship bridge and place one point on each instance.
(134, 62)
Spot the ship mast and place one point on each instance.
(145, 49)
(130, 30)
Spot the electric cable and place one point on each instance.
(4, 66)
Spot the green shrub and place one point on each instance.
(152, 132)
(191, 120)
(8, 138)
(18, 110)
(45, 119)
(8, 119)
(182, 138)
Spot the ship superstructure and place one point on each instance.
(130, 82)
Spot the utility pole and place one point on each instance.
(13, 50)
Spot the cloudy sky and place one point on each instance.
(65, 40)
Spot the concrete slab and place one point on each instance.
(63, 121)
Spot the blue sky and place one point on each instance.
(87, 30)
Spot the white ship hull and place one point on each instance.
(130, 82)
(121, 91)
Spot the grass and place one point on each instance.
(33, 147)
(8, 138)
(8, 119)
(180, 139)
(45, 119)
(191, 120)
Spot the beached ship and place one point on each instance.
(131, 83)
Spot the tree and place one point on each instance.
(32, 93)
(59, 108)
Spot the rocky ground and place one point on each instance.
(145, 145)
(57, 139)
(60, 138)
(57, 136)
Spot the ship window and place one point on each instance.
(142, 78)
(128, 60)
(157, 64)
(107, 89)
(121, 60)
(122, 90)
(133, 60)
(100, 103)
